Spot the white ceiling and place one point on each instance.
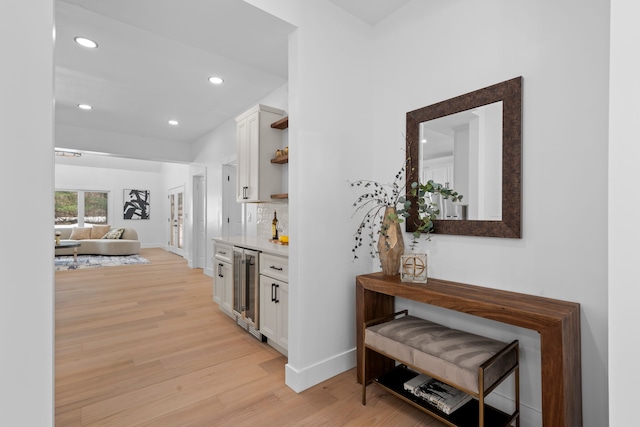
(370, 11)
(155, 56)
(154, 59)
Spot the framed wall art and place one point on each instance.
(136, 204)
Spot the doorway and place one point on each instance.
(198, 260)
(176, 221)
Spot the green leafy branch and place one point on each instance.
(427, 209)
(377, 197)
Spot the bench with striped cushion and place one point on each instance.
(469, 362)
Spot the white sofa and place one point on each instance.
(127, 244)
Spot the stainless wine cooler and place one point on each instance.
(246, 285)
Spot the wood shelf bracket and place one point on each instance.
(280, 159)
(283, 123)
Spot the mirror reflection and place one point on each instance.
(463, 151)
(474, 142)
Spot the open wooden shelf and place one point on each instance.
(281, 159)
(393, 381)
(283, 123)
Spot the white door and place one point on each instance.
(232, 211)
(176, 221)
(199, 221)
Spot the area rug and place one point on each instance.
(95, 261)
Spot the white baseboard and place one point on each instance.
(300, 379)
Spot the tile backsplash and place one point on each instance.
(264, 216)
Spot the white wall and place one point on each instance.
(330, 140)
(436, 50)
(152, 232)
(427, 52)
(624, 205)
(26, 171)
(562, 257)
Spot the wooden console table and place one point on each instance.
(557, 322)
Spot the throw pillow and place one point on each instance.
(80, 233)
(116, 233)
(97, 231)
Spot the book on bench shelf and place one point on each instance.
(443, 396)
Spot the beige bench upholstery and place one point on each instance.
(468, 362)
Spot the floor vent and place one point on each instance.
(251, 329)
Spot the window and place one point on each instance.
(95, 208)
(81, 208)
(66, 208)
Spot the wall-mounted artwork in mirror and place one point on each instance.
(136, 204)
(473, 142)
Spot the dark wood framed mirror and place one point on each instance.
(494, 186)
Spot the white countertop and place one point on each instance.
(255, 244)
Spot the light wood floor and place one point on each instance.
(145, 345)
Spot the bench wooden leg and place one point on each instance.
(481, 409)
(517, 379)
(363, 375)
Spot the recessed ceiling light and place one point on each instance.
(83, 41)
(174, 122)
(216, 80)
(85, 107)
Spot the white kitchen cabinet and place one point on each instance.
(274, 307)
(257, 143)
(268, 307)
(282, 318)
(440, 170)
(274, 266)
(223, 278)
(226, 282)
(274, 301)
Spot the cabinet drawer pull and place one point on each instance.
(273, 292)
(276, 298)
(244, 192)
(220, 270)
(275, 268)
